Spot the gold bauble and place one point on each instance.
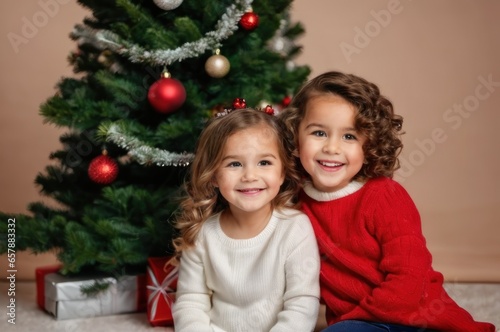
(217, 66)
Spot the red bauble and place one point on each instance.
(166, 95)
(269, 110)
(103, 170)
(249, 21)
(286, 101)
(239, 103)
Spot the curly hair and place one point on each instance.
(201, 199)
(375, 120)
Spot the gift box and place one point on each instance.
(161, 285)
(64, 299)
(40, 274)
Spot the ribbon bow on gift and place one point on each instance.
(157, 289)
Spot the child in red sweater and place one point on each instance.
(376, 272)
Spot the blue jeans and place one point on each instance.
(362, 326)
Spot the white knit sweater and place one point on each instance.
(267, 283)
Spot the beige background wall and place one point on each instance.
(431, 58)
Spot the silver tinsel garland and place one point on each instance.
(144, 154)
(211, 41)
(105, 39)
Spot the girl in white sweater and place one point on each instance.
(248, 260)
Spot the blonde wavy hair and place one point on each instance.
(201, 198)
(375, 120)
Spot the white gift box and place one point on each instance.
(65, 300)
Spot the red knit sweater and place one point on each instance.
(375, 263)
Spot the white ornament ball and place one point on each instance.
(168, 4)
(263, 104)
(217, 66)
(280, 45)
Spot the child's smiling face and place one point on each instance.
(330, 149)
(251, 172)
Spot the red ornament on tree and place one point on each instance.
(103, 169)
(249, 21)
(286, 101)
(269, 110)
(167, 94)
(239, 103)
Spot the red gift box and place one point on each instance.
(40, 274)
(161, 285)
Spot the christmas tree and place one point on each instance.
(148, 74)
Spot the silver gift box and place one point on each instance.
(64, 299)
